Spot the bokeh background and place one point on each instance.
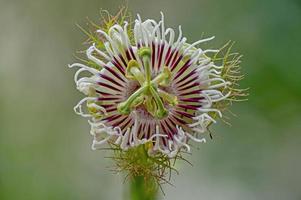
(45, 148)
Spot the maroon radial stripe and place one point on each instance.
(122, 60)
(164, 141)
(170, 131)
(107, 98)
(168, 59)
(191, 92)
(118, 122)
(148, 131)
(118, 66)
(173, 57)
(172, 128)
(167, 55)
(185, 77)
(139, 130)
(110, 79)
(129, 120)
(183, 68)
(189, 86)
(191, 107)
(108, 86)
(112, 118)
(178, 119)
(106, 106)
(153, 54)
(192, 99)
(163, 127)
(184, 113)
(174, 121)
(127, 53)
(111, 109)
(189, 80)
(173, 124)
(114, 73)
(142, 131)
(176, 63)
(132, 53)
(161, 48)
(102, 93)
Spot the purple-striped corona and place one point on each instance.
(152, 87)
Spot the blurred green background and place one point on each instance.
(45, 148)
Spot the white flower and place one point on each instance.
(155, 88)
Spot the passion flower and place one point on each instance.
(148, 85)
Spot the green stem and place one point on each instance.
(143, 186)
(143, 189)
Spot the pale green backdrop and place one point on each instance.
(45, 148)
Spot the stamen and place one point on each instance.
(171, 99)
(133, 72)
(163, 78)
(161, 112)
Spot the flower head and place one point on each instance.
(148, 85)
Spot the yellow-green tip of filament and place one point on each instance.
(164, 77)
(144, 52)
